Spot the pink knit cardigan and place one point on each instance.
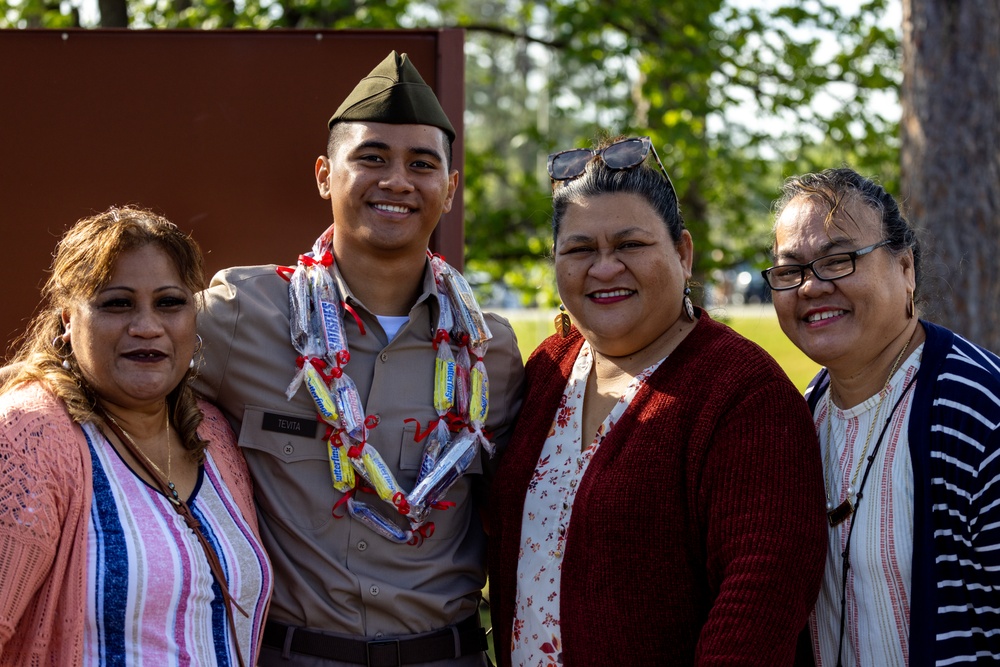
(45, 495)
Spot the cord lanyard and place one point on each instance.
(857, 502)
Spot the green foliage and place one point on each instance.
(736, 97)
(735, 100)
(37, 14)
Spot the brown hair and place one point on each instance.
(83, 264)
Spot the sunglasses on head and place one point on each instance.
(624, 154)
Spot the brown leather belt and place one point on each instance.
(465, 638)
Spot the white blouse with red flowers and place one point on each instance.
(548, 506)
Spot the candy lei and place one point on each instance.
(461, 394)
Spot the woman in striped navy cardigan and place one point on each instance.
(907, 416)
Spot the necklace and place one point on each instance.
(837, 515)
(460, 394)
(170, 485)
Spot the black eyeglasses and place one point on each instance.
(624, 154)
(830, 267)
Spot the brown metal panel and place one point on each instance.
(217, 130)
(449, 240)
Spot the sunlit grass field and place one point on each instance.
(758, 323)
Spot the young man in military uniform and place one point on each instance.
(348, 590)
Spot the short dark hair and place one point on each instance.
(599, 179)
(336, 135)
(837, 187)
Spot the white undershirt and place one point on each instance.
(391, 324)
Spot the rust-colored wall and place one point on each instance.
(218, 131)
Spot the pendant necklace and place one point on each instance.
(837, 515)
(170, 485)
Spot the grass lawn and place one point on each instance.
(758, 323)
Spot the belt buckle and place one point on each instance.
(379, 660)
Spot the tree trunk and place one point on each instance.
(114, 13)
(951, 159)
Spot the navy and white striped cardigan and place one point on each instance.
(955, 447)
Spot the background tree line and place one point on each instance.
(735, 95)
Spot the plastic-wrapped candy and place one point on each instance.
(436, 442)
(445, 319)
(377, 473)
(480, 402)
(349, 402)
(466, 311)
(444, 378)
(326, 407)
(341, 470)
(299, 299)
(451, 465)
(463, 366)
(330, 326)
(480, 385)
(378, 523)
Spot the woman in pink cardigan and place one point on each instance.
(127, 526)
(661, 500)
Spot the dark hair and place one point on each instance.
(599, 179)
(83, 264)
(837, 187)
(336, 135)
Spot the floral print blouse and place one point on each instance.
(548, 507)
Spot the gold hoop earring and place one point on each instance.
(911, 308)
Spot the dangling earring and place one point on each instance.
(197, 349)
(59, 343)
(688, 306)
(562, 322)
(910, 308)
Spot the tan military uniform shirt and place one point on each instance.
(334, 573)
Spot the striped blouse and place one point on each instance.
(151, 596)
(881, 548)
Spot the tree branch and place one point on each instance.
(512, 34)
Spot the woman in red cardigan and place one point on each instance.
(661, 502)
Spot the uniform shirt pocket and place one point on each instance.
(411, 453)
(287, 455)
(447, 522)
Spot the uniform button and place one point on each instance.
(373, 590)
(562, 530)
(557, 554)
(572, 483)
(375, 420)
(565, 506)
(362, 545)
(288, 449)
(384, 356)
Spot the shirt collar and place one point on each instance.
(427, 298)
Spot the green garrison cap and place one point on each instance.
(393, 92)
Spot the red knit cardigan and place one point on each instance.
(698, 533)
